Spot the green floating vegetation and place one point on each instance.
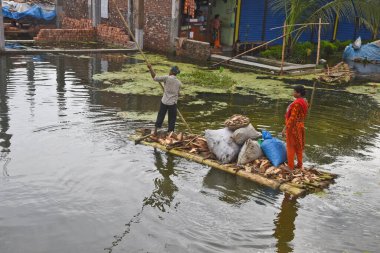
(135, 79)
(138, 116)
(370, 89)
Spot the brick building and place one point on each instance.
(157, 24)
(150, 20)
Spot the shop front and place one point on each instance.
(198, 21)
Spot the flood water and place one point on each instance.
(71, 181)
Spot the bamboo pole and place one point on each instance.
(255, 48)
(278, 27)
(312, 97)
(146, 59)
(319, 42)
(283, 49)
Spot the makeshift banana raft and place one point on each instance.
(195, 148)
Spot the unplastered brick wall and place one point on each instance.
(77, 9)
(193, 49)
(77, 30)
(73, 23)
(113, 35)
(114, 18)
(65, 35)
(157, 25)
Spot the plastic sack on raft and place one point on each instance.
(241, 135)
(249, 152)
(274, 149)
(266, 135)
(221, 145)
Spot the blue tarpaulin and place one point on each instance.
(31, 11)
(369, 52)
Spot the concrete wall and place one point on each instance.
(193, 49)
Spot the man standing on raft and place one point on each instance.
(169, 100)
(295, 127)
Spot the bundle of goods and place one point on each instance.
(226, 143)
(236, 121)
(244, 152)
(340, 73)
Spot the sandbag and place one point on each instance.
(275, 150)
(221, 145)
(249, 152)
(241, 135)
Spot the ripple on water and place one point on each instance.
(79, 185)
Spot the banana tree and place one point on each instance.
(301, 11)
(369, 15)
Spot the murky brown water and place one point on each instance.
(72, 182)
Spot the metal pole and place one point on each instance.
(2, 37)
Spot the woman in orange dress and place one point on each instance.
(216, 23)
(295, 127)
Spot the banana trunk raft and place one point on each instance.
(194, 147)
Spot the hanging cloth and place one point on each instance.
(189, 8)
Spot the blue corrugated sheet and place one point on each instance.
(274, 20)
(346, 30)
(251, 20)
(364, 33)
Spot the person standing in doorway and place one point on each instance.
(216, 24)
(170, 98)
(295, 127)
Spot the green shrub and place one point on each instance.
(274, 52)
(341, 45)
(301, 52)
(328, 48)
(305, 51)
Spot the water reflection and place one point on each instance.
(161, 197)
(31, 91)
(163, 194)
(235, 190)
(285, 224)
(5, 137)
(61, 90)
